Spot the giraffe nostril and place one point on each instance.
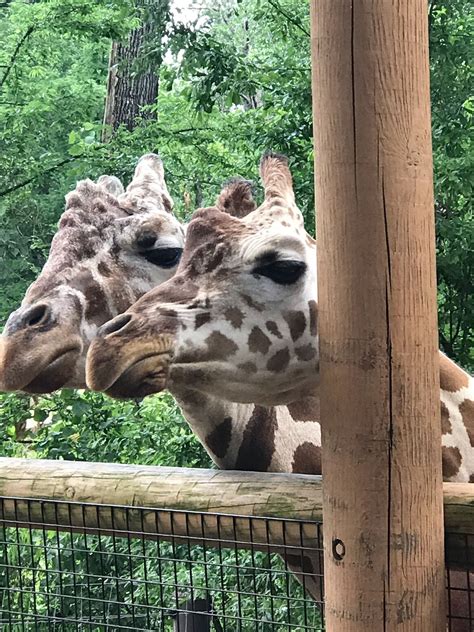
(114, 325)
(37, 315)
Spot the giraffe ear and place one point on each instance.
(236, 198)
(111, 184)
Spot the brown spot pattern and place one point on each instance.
(219, 439)
(234, 316)
(300, 563)
(467, 412)
(258, 341)
(209, 239)
(452, 460)
(307, 459)
(307, 409)
(279, 361)
(215, 257)
(273, 328)
(97, 309)
(178, 290)
(313, 317)
(201, 319)
(452, 378)
(104, 269)
(259, 307)
(167, 320)
(219, 346)
(258, 441)
(296, 321)
(305, 353)
(445, 422)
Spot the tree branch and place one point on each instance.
(26, 35)
(282, 12)
(35, 177)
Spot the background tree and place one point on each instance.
(134, 66)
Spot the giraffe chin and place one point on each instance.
(145, 376)
(59, 373)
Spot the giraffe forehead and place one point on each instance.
(162, 222)
(276, 211)
(286, 243)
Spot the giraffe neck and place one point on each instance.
(251, 437)
(288, 438)
(457, 420)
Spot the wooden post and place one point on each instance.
(382, 492)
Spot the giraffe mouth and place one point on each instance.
(124, 370)
(144, 376)
(56, 373)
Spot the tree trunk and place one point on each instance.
(131, 85)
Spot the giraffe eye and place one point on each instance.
(163, 257)
(282, 272)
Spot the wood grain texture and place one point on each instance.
(377, 316)
(294, 496)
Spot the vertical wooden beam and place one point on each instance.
(382, 492)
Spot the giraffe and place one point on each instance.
(239, 320)
(110, 248)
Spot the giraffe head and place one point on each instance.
(238, 320)
(110, 248)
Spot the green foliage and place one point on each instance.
(451, 33)
(131, 584)
(90, 427)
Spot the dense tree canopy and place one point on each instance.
(234, 80)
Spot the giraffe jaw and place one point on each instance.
(38, 371)
(59, 373)
(145, 376)
(128, 371)
(229, 383)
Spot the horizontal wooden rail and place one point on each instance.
(256, 494)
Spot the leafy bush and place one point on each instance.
(77, 425)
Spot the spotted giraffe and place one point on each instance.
(110, 248)
(239, 319)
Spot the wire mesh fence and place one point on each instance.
(460, 582)
(197, 572)
(71, 566)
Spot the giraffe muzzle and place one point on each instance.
(125, 367)
(37, 369)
